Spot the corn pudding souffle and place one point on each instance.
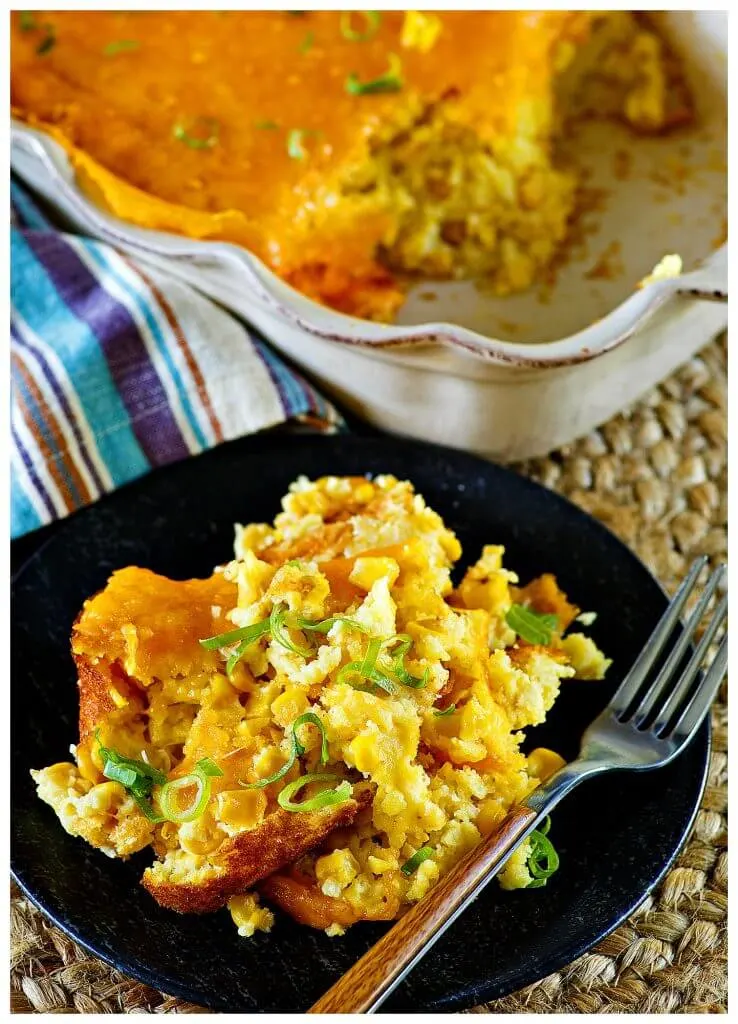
(348, 150)
(326, 724)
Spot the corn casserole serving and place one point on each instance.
(347, 150)
(326, 723)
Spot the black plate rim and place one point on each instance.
(454, 1002)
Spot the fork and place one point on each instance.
(649, 721)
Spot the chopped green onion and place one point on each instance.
(295, 139)
(137, 777)
(206, 766)
(27, 21)
(379, 678)
(147, 810)
(370, 657)
(531, 626)
(326, 798)
(276, 624)
(249, 633)
(281, 636)
(279, 774)
(369, 669)
(372, 19)
(200, 778)
(145, 773)
(398, 665)
(245, 637)
(48, 42)
(543, 860)
(206, 129)
(366, 666)
(325, 625)
(269, 126)
(349, 669)
(545, 826)
(446, 711)
(390, 81)
(234, 658)
(312, 718)
(120, 46)
(120, 773)
(412, 865)
(297, 750)
(195, 806)
(307, 44)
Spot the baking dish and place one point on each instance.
(510, 377)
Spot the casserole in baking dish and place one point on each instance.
(346, 150)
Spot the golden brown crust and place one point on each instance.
(249, 857)
(95, 702)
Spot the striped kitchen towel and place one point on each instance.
(117, 368)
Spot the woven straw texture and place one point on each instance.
(656, 475)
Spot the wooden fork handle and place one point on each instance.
(372, 978)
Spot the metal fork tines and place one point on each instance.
(667, 709)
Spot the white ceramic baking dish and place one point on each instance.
(515, 377)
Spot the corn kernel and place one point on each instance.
(542, 762)
(244, 807)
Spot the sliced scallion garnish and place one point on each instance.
(370, 669)
(279, 774)
(295, 139)
(234, 658)
(206, 766)
(276, 624)
(411, 866)
(372, 20)
(543, 860)
(244, 637)
(307, 43)
(197, 132)
(390, 81)
(248, 633)
(310, 718)
(364, 668)
(531, 626)
(398, 665)
(278, 627)
(382, 680)
(137, 777)
(446, 711)
(199, 778)
(27, 21)
(325, 625)
(48, 42)
(297, 750)
(120, 46)
(266, 126)
(120, 773)
(326, 798)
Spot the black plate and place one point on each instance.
(616, 835)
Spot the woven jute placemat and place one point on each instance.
(656, 475)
